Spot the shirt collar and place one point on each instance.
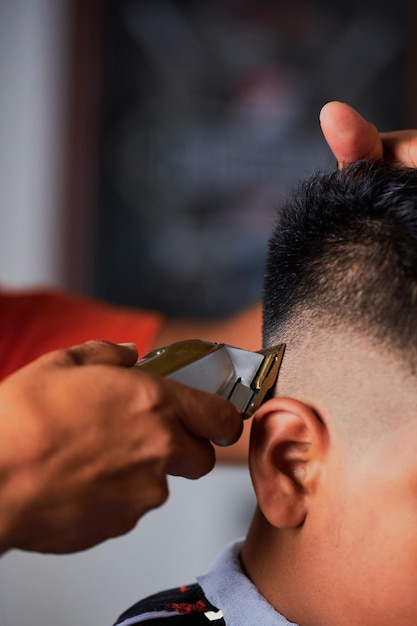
(230, 590)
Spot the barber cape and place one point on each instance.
(223, 596)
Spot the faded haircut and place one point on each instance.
(343, 253)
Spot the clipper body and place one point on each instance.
(241, 376)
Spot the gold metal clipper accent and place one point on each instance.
(241, 376)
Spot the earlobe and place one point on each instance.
(287, 445)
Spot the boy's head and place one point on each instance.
(334, 453)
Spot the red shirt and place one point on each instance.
(32, 323)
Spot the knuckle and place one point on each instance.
(160, 494)
(199, 461)
(57, 357)
(169, 447)
(207, 463)
(88, 350)
(93, 346)
(121, 527)
(151, 395)
(151, 496)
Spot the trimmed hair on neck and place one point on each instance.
(343, 253)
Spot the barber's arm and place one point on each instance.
(86, 444)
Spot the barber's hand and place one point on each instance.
(86, 443)
(351, 137)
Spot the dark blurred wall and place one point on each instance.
(209, 114)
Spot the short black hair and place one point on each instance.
(344, 252)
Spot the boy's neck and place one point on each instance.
(277, 564)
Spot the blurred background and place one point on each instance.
(145, 146)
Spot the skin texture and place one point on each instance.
(87, 443)
(86, 447)
(351, 137)
(333, 454)
(334, 464)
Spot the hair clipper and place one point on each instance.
(241, 376)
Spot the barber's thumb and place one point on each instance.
(349, 135)
(101, 352)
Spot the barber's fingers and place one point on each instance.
(349, 135)
(195, 458)
(179, 422)
(202, 414)
(401, 146)
(185, 421)
(206, 415)
(97, 352)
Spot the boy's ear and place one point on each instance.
(288, 445)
